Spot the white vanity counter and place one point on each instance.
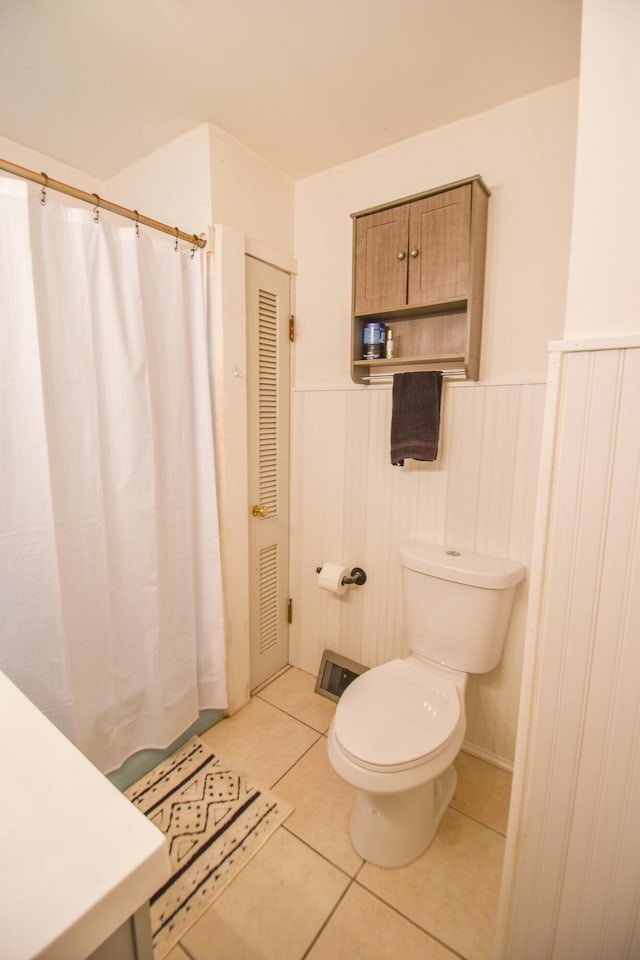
(76, 858)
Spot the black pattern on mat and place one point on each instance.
(214, 821)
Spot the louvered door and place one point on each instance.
(268, 413)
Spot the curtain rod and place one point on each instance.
(99, 202)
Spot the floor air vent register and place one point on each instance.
(335, 674)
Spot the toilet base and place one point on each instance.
(393, 829)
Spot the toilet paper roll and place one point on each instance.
(330, 578)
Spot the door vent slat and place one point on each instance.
(268, 400)
(268, 598)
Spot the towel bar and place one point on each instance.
(388, 377)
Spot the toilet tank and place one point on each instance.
(456, 604)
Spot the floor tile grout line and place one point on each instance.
(355, 879)
(292, 716)
(477, 820)
(404, 916)
(260, 690)
(327, 919)
(351, 881)
(267, 683)
(186, 952)
(295, 762)
(323, 856)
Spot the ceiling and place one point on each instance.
(307, 84)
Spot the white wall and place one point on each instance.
(605, 243)
(229, 351)
(571, 883)
(201, 178)
(525, 152)
(348, 502)
(25, 157)
(172, 184)
(206, 177)
(250, 194)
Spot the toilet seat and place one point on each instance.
(396, 716)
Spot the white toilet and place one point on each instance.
(398, 727)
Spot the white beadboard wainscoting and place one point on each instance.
(571, 886)
(350, 505)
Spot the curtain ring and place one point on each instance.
(176, 246)
(96, 210)
(43, 192)
(194, 247)
(137, 223)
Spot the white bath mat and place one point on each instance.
(214, 821)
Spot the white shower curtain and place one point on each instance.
(110, 589)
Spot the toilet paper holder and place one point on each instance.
(358, 577)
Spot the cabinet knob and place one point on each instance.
(257, 510)
(401, 254)
(414, 253)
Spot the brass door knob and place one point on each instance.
(257, 510)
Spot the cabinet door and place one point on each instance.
(439, 229)
(381, 260)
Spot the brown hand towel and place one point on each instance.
(415, 416)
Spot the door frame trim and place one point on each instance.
(268, 276)
(229, 343)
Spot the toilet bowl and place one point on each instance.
(399, 726)
(395, 737)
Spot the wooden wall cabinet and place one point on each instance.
(418, 266)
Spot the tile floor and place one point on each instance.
(307, 893)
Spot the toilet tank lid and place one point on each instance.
(460, 566)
